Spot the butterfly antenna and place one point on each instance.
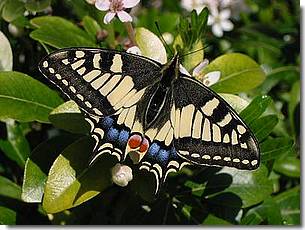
(195, 51)
(162, 39)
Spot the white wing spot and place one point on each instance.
(254, 162)
(186, 118)
(234, 137)
(184, 153)
(97, 112)
(79, 54)
(80, 97)
(65, 82)
(81, 71)
(195, 155)
(245, 162)
(88, 104)
(92, 75)
(227, 158)
(96, 60)
(226, 138)
(51, 70)
(241, 129)
(116, 64)
(72, 89)
(206, 135)
(217, 158)
(207, 157)
(65, 61)
(216, 133)
(58, 76)
(244, 145)
(77, 64)
(226, 120)
(236, 160)
(45, 64)
(209, 107)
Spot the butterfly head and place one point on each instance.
(170, 71)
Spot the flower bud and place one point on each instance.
(121, 174)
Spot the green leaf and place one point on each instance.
(255, 109)
(7, 216)
(288, 165)
(273, 148)
(12, 10)
(9, 189)
(37, 5)
(150, 45)
(6, 55)
(25, 99)
(239, 73)
(263, 126)
(60, 33)
(213, 220)
(38, 165)
(236, 102)
(268, 211)
(192, 60)
(16, 147)
(91, 26)
(293, 102)
(251, 186)
(289, 202)
(67, 116)
(71, 182)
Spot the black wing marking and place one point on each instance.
(100, 81)
(208, 131)
(161, 158)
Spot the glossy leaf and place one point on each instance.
(293, 102)
(12, 10)
(289, 202)
(38, 165)
(6, 55)
(91, 26)
(255, 109)
(25, 99)
(150, 45)
(268, 211)
(239, 73)
(9, 188)
(16, 147)
(37, 5)
(7, 216)
(71, 182)
(263, 126)
(194, 59)
(251, 186)
(273, 148)
(289, 166)
(214, 220)
(60, 33)
(237, 103)
(67, 116)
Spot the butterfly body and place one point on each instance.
(158, 116)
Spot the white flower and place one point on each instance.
(211, 78)
(134, 50)
(220, 22)
(121, 174)
(116, 7)
(197, 70)
(190, 5)
(168, 38)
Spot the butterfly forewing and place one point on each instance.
(100, 81)
(208, 131)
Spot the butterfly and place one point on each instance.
(161, 118)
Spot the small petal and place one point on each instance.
(124, 17)
(227, 25)
(211, 78)
(183, 70)
(211, 20)
(200, 67)
(217, 30)
(168, 37)
(102, 5)
(130, 3)
(108, 17)
(225, 14)
(134, 50)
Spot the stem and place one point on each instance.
(131, 33)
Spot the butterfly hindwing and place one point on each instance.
(100, 81)
(208, 131)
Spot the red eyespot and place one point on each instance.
(144, 145)
(135, 141)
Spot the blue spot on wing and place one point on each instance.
(107, 122)
(163, 156)
(112, 134)
(123, 138)
(153, 150)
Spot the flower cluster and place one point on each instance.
(220, 12)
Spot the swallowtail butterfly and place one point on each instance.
(158, 116)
